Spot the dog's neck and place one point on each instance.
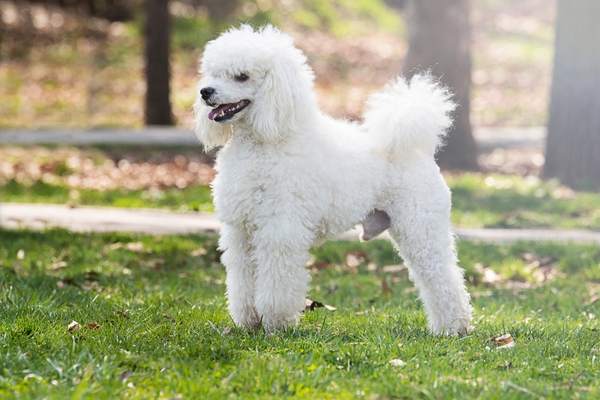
(244, 132)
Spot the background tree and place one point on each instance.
(157, 41)
(111, 10)
(440, 40)
(573, 143)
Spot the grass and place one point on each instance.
(493, 201)
(498, 201)
(154, 325)
(193, 198)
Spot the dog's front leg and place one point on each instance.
(281, 252)
(240, 276)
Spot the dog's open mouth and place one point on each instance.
(223, 112)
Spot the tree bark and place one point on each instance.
(573, 143)
(440, 42)
(157, 38)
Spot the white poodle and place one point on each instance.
(289, 176)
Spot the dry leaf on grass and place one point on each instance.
(394, 269)
(535, 260)
(396, 362)
(592, 300)
(199, 252)
(488, 275)
(310, 305)
(73, 326)
(505, 341)
(319, 266)
(135, 247)
(153, 263)
(355, 258)
(92, 325)
(57, 265)
(371, 267)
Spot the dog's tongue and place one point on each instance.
(213, 113)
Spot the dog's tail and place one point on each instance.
(410, 116)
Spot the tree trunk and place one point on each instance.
(573, 143)
(157, 38)
(440, 42)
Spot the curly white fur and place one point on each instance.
(289, 176)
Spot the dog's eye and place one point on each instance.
(241, 77)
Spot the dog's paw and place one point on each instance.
(273, 324)
(247, 319)
(455, 327)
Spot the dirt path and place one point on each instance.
(97, 219)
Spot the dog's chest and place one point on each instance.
(240, 186)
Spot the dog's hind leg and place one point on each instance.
(240, 276)
(420, 228)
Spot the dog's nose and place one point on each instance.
(207, 92)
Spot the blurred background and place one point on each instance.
(526, 73)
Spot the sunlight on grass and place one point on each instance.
(502, 201)
(194, 198)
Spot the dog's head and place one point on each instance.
(256, 78)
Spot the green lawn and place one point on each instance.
(492, 201)
(192, 198)
(153, 324)
(500, 201)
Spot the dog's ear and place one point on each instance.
(274, 110)
(211, 134)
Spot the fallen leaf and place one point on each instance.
(135, 247)
(394, 269)
(505, 341)
(57, 265)
(92, 325)
(73, 326)
(201, 251)
(61, 284)
(396, 362)
(488, 275)
(592, 300)
(310, 305)
(355, 258)
(318, 265)
(91, 286)
(114, 246)
(536, 261)
(154, 263)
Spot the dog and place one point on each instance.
(290, 176)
